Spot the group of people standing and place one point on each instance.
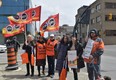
(48, 48)
(43, 48)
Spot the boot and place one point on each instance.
(43, 72)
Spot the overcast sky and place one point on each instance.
(67, 9)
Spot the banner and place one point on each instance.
(12, 30)
(51, 24)
(24, 17)
(24, 58)
(72, 59)
(88, 49)
(36, 13)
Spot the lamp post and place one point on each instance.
(0, 3)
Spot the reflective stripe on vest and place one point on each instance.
(41, 51)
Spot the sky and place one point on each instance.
(67, 9)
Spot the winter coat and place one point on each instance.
(62, 52)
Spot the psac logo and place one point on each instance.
(16, 27)
(17, 17)
(50, 23)
(11, 28)
(24, 16)
(33, 13)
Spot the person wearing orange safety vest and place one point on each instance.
(94, 60)
(51, 46)
(40, 55)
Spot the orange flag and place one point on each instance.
(51, 24)
(24, 58)
(36, 13)
(24, 17)
(12, 30)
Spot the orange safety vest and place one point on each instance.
(50, 47)
(96, 46)
(41, 51)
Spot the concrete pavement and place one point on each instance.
(19, 74)
(107, 68)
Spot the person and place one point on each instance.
(62, 53)
(58, 38)
(93, 63)
(75, 45)
(29, 48)
(16, 44)
(50, 52)
(40, 55)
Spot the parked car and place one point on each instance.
(3, 48)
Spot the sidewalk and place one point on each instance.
(19, 74)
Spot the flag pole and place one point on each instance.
(25, 32)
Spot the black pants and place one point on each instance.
(75, 74)
(28, 68)
(43, 69)
(51, 65)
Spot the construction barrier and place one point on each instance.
(11, 58)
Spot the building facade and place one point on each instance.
(63, 30)
(11, 8)
(99, 19)
(81, 28)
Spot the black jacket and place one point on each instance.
(79, 49)
(29, 49)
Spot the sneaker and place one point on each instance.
(52, 76)
(48, 75)
(27, 74)
(32, 75)
(43, 72)
(39, 75)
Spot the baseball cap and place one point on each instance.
(51, 35)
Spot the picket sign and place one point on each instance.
(88, 49)
(72, 59)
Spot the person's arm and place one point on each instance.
(24, 46)
(100, 50)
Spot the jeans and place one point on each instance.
(93, 71)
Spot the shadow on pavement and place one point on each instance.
(22, 77)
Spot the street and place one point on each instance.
(107, 68)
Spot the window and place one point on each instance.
(98, 7)
(107, 18)
(98, 19)
(110, 32)
(110, 5)
(92, 21)
(92, 10)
